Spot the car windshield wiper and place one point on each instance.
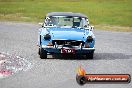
(77, 27)
(74, 27)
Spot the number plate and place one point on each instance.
(68, 50)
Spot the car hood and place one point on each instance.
(67, 33)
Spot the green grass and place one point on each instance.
(100, 12)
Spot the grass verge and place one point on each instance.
(109, 12)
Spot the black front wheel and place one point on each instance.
(43, 53)
(39, 51)
(90, 55)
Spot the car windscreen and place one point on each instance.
(67, 21)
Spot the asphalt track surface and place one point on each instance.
(113, 55)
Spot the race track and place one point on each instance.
(113, 55)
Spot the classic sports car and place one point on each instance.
(66, 33)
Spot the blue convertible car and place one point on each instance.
(66, 33)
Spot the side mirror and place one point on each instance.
(41, 24)
(85, 26)
(92, 28)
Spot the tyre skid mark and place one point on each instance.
(11, 64)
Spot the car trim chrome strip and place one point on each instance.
(59, 47)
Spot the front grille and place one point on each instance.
(67, 42)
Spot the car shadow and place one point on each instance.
(111, 56)
(97, 56)
(68, 57)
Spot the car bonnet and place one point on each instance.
(68, 33)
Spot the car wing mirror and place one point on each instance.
(85, 26)
(92, 28)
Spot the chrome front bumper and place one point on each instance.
(57, 49)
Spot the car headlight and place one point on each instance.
(47, 37)
(89, 39)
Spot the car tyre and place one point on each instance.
(43, 53)
(90, 55)
(39, 51)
